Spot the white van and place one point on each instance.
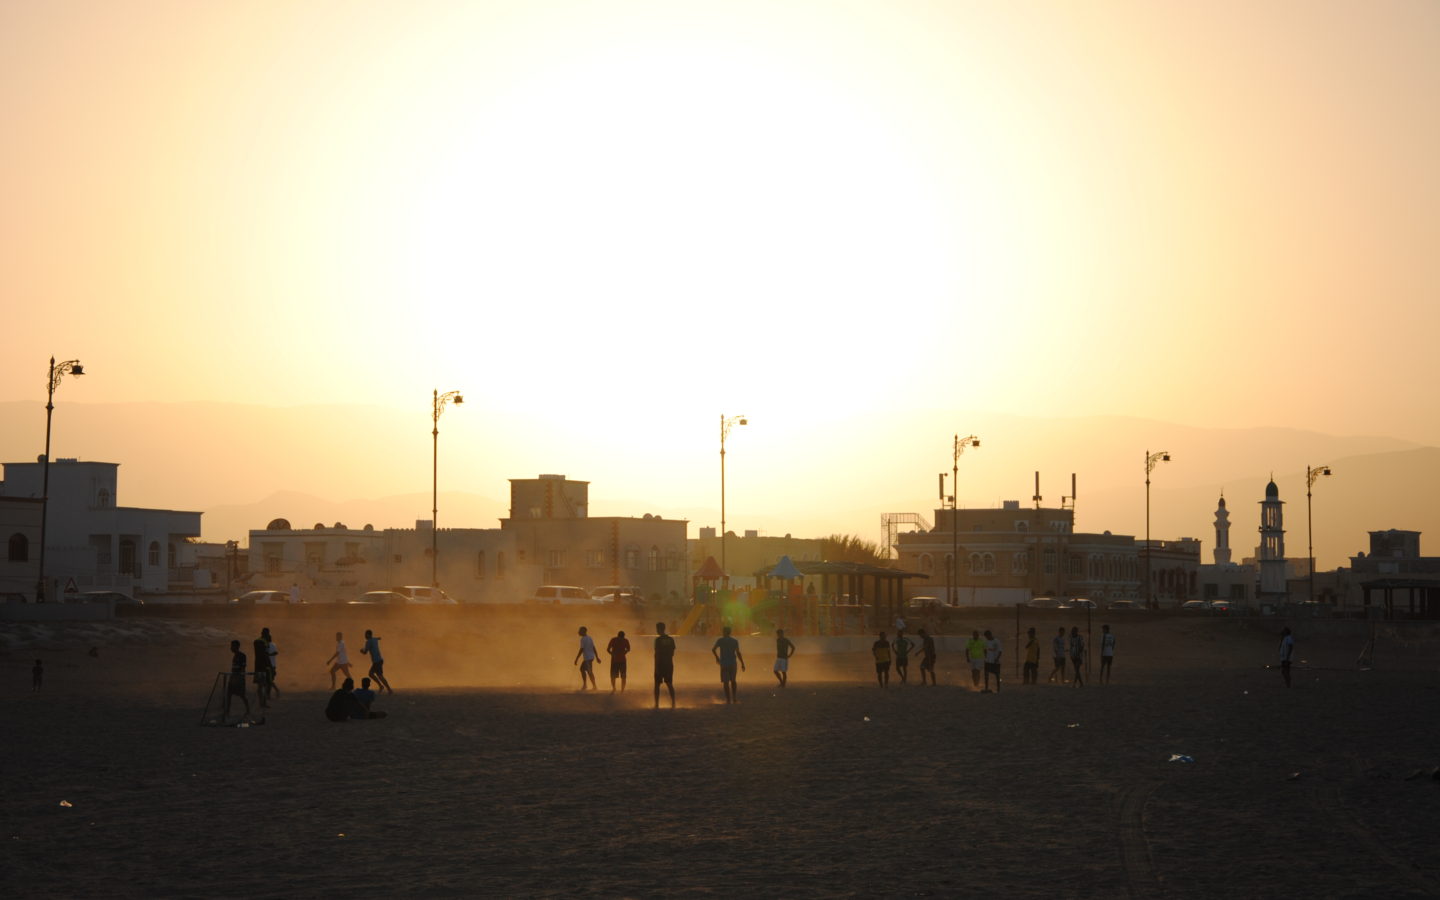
(563, 594)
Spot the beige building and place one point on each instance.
(748, 553)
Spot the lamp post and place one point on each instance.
(954, 567)
(1151, 459)
(439, 407)
(725, 426)
(57, 374)
(1311, 475)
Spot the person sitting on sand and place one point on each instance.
(619, 650)
(236, 685)
(341, 658)
(664, 663)
(344, 705)
(881, 651)
(590, 655)
(364, 694)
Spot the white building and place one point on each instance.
(1271, 552)
(20, 527)
(93, 543)
(1226, 580)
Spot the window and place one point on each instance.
(170, 555)
(153, 556)
(315, 553)
(975, 564)
(127, 557)
(988, 560)
(102, 498)
(1022, 525)
(480, 564)
(1077, 566)
(1020, 563)
(652, 559)
(927, 565)
(1212, 591)
(632, 558)
(555, 559)
(1049, 562)
(19, 548)
(594, 559)
(1237, 592)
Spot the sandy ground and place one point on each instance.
(475, 786)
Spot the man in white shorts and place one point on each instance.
(784, 649)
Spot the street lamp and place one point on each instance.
(953, 569)
(439, 407)
(1151, 459)
(1311, 475)
(725, 426)
(57, 374)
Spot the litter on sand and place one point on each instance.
(1180, 757)
(66, 803)
(1073, 725)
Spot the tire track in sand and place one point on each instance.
(1326, 800)
(1134, 848)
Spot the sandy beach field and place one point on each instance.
(493, 777)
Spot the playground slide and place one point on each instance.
(691, 618)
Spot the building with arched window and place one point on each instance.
(20, 532)
(92, 543)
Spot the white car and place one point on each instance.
(564, 594)
(262, 597)
(416, 593)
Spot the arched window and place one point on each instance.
(480, 564)
(989, 561)
(153, 557)
(102, 498)
(170, 555)
(652, 559)
(127, 557)
(19, 548)
(976, 565)
(927, 565)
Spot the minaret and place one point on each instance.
(1272, 545)
(1222, 534)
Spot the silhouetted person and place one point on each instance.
(1077, 655)
(1057, 651)
(261, 646)
(1031, 672)
(726, 651)
(235, 687)
(901, 645)
(881, 651)
(1287, 653)
(585, 658)
(993, 652)
(784, 649)
(271, 652)
(619, 650)
(664, 663)
(364, 694)
(37, 676)
(927, 656)
(1107, 653)
(341, 658)
(377, 661)
(975, 653)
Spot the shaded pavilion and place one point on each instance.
(1421, 598)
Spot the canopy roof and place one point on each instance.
(709, 570)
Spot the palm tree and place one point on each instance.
(850, 548)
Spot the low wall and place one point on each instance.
(57, 612)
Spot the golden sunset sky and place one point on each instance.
(630, 217)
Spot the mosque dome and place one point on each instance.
(1271, 491)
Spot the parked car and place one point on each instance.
(380, 598)
(1220, 607)
(1124, 604)
(116, 597)
(923, 603)
(624, 590)
(1044, 603)
(563, 594)
(262, 597)
(1082, 603)
(417, 593)
(1195, 606)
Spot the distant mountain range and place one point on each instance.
(243, 465)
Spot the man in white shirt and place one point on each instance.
(1107, 653)
(588, 652)
(340, 657)
(992, 661)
